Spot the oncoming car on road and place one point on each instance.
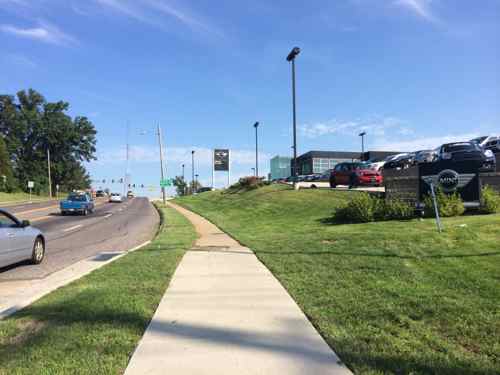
(19, 241)
(115, 198)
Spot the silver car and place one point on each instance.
(19, 241)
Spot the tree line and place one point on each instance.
(30, 127)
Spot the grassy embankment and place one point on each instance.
(20, 197)
(389, 297)
(92, 326)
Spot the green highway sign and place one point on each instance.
(166, 182)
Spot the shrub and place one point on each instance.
(360, 209)
(448, 204)
(394, 210)
(490, 201)
(247, 183)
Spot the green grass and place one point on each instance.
(93, 325)
(19, 197)
(389, 297)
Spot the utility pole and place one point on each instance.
(362, 135)
(50, 179)
(161, 164)
(192, 172)
(256, 126)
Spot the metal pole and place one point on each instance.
(192, 172)
(50, 179)
(161, 164)
(294, 126)
(363, 144)
(183, 179)
(213, 169)
(256, 150)
(436, 210)
(228, 168)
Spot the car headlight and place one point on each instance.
(489, 154)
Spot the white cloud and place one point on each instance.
(421, 8)
(427, 143)
(177, 155)
(375, 126)
(150, 12)
(45, 32)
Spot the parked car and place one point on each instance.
(355, 174)
(376, 165)
(482, 141)
(493, 145)
(130, 194)
(115, 198)
(77, 202)
(19, 241)
(425, 156)
(468, 151)
(402, 161)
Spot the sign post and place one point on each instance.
(57, 191)
(31, 185)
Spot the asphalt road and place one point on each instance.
(112, 227)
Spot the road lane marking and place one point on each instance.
(40, 218)
(72, 228)
(108, 215)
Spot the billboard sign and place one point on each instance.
(221, 160)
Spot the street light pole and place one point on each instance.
(291, 58)
(362, 135)
(161, 164)
(256, 126)
(192, 171)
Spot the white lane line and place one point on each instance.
(72, 228)
(108, 215)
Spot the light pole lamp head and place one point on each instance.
(362, 134)
(293, 54)
(192, 152)
(256, 124)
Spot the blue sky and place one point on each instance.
(412, 73)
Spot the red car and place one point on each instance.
(355, 174)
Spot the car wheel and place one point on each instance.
(353, 182)
(63, 213)
(333, 184)
(85, 212)
(38, 251)
(313, 186)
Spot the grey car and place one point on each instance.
(19, 241)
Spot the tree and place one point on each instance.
(180, 185)
(31, 126)
(7, 182)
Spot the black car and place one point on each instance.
(468, 152)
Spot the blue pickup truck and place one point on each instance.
(80, 203)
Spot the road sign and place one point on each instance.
(221, 160)
(31, 184)
(166, 182)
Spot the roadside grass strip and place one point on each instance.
(389, 297)
(93, 325)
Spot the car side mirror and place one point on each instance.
(25, 223)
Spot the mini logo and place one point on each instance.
(448, 180)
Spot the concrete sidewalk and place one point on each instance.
(225, 313)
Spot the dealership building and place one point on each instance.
(281, 167)
(320, 161)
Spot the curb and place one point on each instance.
(61, 278)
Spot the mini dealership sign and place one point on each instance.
(449, 180)
(221, 160)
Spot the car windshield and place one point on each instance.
(457, 147)
(360, 166)
(77, 197)
(478, 140)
